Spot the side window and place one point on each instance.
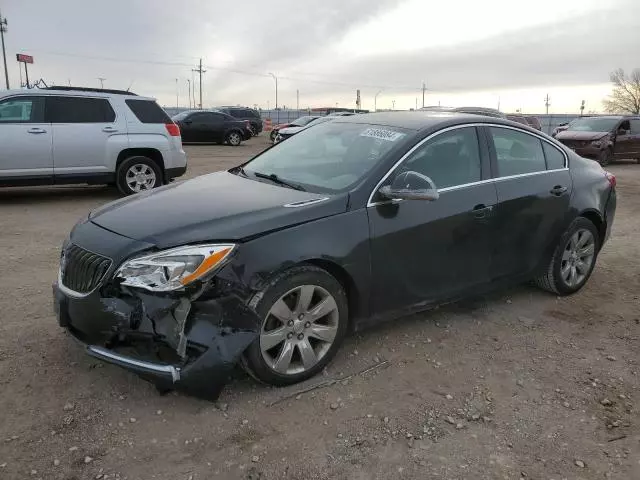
(517, 152)
(635, 126)
(197, 118)
(21, 110)
(78, 110)
(148, 111)
(217, 118)
(449, 159)
(555, 158)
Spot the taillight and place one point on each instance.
(173, 129)
(612, 179)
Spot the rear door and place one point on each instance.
(534, 187)
(25, 141)
(84, 128)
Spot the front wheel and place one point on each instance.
(605, 157)
(138, 174)
(573, 259)
(304, 314)
(234, 139)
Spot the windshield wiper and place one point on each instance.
(275, 179)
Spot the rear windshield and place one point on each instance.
(148, 111)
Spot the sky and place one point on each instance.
(494, 53)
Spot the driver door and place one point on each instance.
(427, 251)
(628, 143)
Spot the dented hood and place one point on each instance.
(219, 206)
(579, 135)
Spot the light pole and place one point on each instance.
(189, 87)
(3, 29)
(101, 79)
(393, 104)
(276, 107)
(177, 93)
(375, 101)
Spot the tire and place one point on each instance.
(145, 166)
(298, 333)
(605, 157)
(272, 135)
(555, 279)
(234, 138)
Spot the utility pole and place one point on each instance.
(101, 79)
(276, 107)
(424, 88)
(416, 103)
(547, 102)
(582, 108)
(375, 101)
(297, 99)
(3, 29)
(393, 104)
(177, 93)
(199, 71)
(189, 86)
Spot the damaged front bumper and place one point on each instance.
(177, 342)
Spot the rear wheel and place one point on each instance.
(573, 259)
(234, 139)
(137, 174)
(304, 320)
(605, 157)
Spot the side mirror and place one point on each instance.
(411, 186)
(622, 131)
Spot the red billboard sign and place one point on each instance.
(21, 57)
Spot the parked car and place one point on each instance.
(211, 126)
(534, 122)
(285, 133)
(347, 223)
(518, 118)
(73, 135)
(603, 138)
(298, 122)
(244, 113)
(488, 112)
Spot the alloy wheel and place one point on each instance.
(234, 139)
(299, 329)
(577, 257)
(140, 177)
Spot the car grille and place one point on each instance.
(82, 271)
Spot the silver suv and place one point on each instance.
(68, 135)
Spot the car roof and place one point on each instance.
(73, 92)
(421, 120)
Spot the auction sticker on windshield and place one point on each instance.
(382, 134)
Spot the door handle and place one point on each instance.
(558, 190)
(109, 129)
(481, 210)
(37, 130)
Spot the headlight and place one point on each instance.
(173, 269)
(596, 143)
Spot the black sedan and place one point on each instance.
(354, 221)
(204, 126)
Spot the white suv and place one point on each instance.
(65, 135)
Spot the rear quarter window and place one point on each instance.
(148, 111)
(555, 158)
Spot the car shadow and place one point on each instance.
(27, 195)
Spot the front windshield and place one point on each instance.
(329, 157)
(593, 124)
(302, 121)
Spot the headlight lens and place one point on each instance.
(596, 143)
(173, 269)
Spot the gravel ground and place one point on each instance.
(519, 384)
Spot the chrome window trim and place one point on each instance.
(370, 203)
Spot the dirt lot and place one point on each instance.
(520, 384)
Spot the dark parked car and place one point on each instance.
(353, 221)
(518, 118)
(204, 126)
(288, 132)
(244, 113)
(298, 122)
(488, 112)
(603, 138)
(534, 122)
